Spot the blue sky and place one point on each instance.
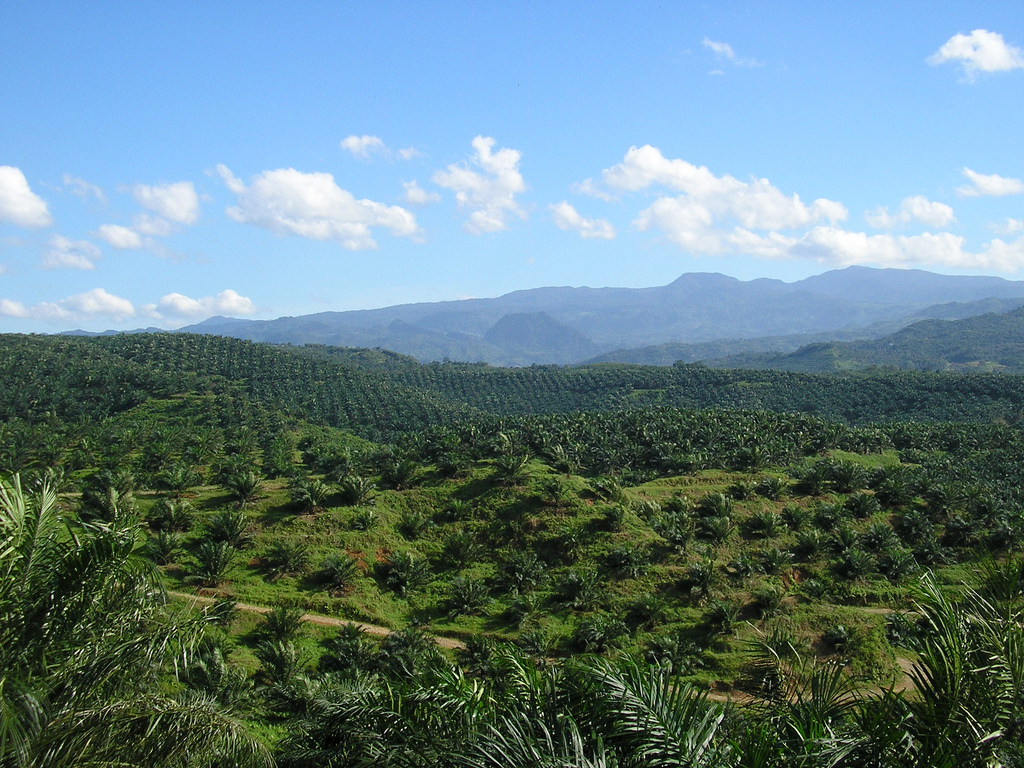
(164, 162)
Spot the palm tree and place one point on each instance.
(85, 639)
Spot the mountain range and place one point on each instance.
(699, 316)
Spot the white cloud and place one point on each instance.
(490, 192)
(725, 51)
(65, 253)
(719, 215)
(917, 208)
(1008, 227)
(145, 224)
(18, 203)
(120, 237)
(98, 302)
(364, 146)
(416, 195)
(290, 202)
(176, 305)
(989, 186)
(702, 217)
(590, 188)
(980, 51)
(91, 304)
(842, 248)
(177, 202)
(566, 217)
(11, 308)
(82, 188)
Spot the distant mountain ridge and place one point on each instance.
(983, 343)
(565, 325)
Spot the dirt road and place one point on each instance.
(315, 618)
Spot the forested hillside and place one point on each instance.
(989, 342)
(724, 568)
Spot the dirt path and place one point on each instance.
(315, 618)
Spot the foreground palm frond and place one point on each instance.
(85, 637)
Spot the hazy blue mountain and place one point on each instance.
(530, 336)
(584, 322)
(733, 350)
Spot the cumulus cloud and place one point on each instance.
(98, 303)
(590, 188)
(489, 192)
(91, 304)
(566, 217)
(1008, 227)
(841, 248)
(65, 253)
(416, 195)
(145, 224)
(989, 186)
(980, 51)
(290, 202)
(81, 188)
(176, 305)
(724, 51)
(177, 202)
(120, 237)
(364, 146)
(917, 208)
(172, 206)
(702, 217)
(18, 203)
(717, 215)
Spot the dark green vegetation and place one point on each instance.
(990, 342)
(618, 549)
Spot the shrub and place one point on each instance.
(283, 557)
(597, 634)
(772, 488)
(765, 523)
(721, 617)
(768, 599)
(353, 490)
(364, 520)
(281, 624)
(404, 572)
(230, 527)
(461, 548)
(170, 515)
(163, 546)
(337, 572)
(714, 505)
(520, 571)
(578, 588)
(627, 561)
(213, 559)
(412, 524)
(348, 652)
(466, 596)
(836, 637)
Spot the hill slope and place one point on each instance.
(990, 342)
